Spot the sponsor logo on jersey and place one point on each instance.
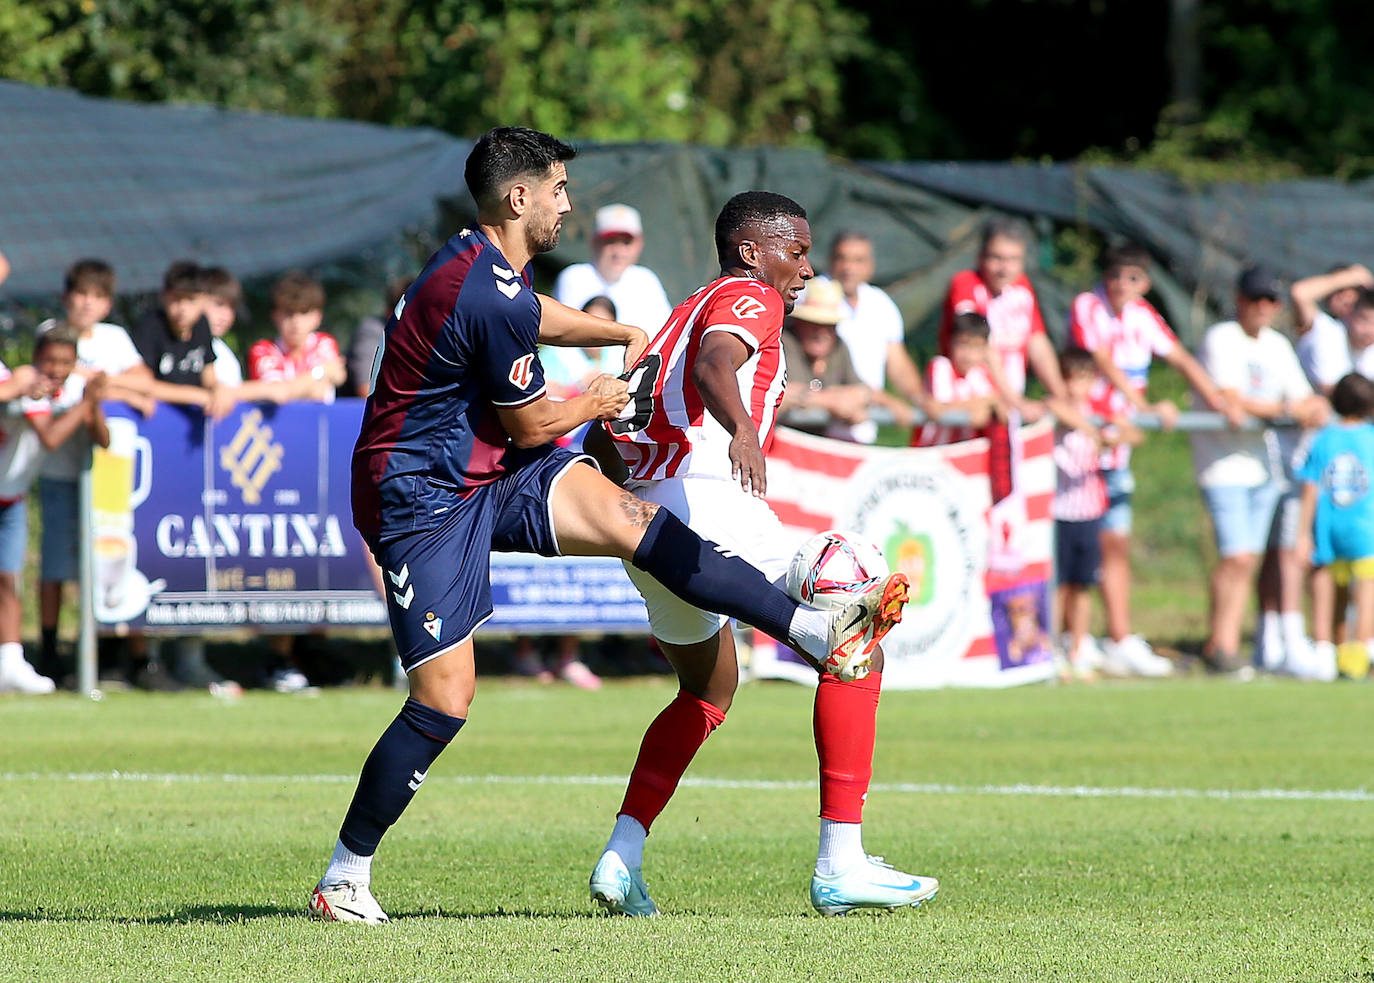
(748, 309)
(522, 371)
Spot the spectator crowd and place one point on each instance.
(1288, 498)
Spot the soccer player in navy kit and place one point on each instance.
(455, 459)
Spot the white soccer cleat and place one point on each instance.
(1132, 656)
(346, 902)
(18, 676)
(872, 884)
(857, 627)
(620, 889)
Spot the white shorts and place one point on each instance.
(720, 510)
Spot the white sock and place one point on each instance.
(1271, 629)
(842, 847)
(627, 839)
(345, 865)
(810, 629)
(11, 653)
(1294, 629)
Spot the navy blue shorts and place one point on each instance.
(438, 581)
(1078, 551)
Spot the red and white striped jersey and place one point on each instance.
(946, 385)
(1013, 319)
(665, 430)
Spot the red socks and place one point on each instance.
(845, 724)
(667, 749)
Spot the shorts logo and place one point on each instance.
(522, 371)
(433, 625)
(399, 579)
(748, 309)
(417, 778)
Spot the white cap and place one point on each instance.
(617, 220)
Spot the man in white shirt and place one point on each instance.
(617, 242)
(1328, 347)
(872, 329)
(1240, 472)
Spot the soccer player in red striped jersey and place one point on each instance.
(703, 400)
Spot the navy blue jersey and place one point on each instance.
(463, 341)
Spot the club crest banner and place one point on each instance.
(980, 571)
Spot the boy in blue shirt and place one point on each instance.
(1336, 529)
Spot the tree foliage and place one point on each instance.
(1285, 85)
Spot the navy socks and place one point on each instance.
(698, 572)
(393, 772)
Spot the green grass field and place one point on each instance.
(1188, 829)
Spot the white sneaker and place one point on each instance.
(872, 884)
(20, 677)
(290, 681)
(346, 902)
(856, 628)
(1132, 656)
(1320, 664)
(620, 889)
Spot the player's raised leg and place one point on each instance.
(594, 517)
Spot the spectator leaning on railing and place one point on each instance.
(1258, 373)
(1330, 344)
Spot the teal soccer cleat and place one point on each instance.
(872, 884)
(620, 889)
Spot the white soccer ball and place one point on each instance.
(833, 567)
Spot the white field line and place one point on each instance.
(914, 788)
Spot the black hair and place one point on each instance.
(969, 324)
(1363, 299)
(849, 235)
(182, 279)
(89, 274)
(1126, 254)
(746, 210)
(1073, 360)
(507, 153)
(1353, 396)
(1005, 227)
(602, 299)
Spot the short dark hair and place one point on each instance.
(1074, 359)
(604, 301)
(1005, 227)
(89, 274)
(1126, 254)
(849, 235)
(182, 279)
(221, 284)
(969, 324)
(297, 292)
(749, 208)
(504, 154)
(1363, 299)
(1353, 395)
(58, 334)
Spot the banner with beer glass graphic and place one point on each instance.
(199, 525)
(980, 570)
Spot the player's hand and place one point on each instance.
(608, 396)
(746, 462)
(635, 343)
(30, 383)
(219, 401)
(1167, 413)
(1032, 410)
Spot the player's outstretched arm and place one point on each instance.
(538, 422)
(565, 326)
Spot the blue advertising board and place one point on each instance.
(246, 522)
